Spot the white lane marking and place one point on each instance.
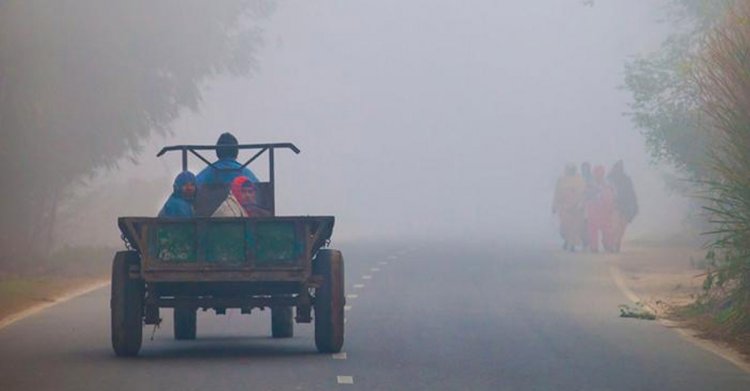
(339, 356)
(344, 320)
(366, 277)
(347, 308)
(352, 296)
(383, 263)
(375, 269)
(41, 307)
(392, 257)
(345, 379)
(359, 286)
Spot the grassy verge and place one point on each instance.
(20, 293)
(713, 323)
(44, 280)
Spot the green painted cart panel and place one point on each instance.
(257, 242)
(174, 243)
(277, 242)
(225, 242)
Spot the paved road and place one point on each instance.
(499, 317)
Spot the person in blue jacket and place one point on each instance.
(180, 203)
(227, 167)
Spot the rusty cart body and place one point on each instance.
(202, 263)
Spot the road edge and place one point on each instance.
(23, 314)
(718, 349)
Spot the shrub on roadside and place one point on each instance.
(723, 76)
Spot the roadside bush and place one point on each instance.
(722, 74)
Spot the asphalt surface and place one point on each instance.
(425, 317)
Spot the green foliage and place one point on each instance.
(690, 102)
(723, 78)
(84, 82)
(637, 312)
(665, 106)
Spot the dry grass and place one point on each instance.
(723, 75)
(18, 294)
(45, 280)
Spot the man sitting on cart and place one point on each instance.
(227, 167)
(180, 203)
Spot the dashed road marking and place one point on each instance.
(375, 269)
(366, 277)
(359, 286)
(391, 257)
(345, 379)
(347, 308)
(383, 263)
(352, 296)
(339, 356)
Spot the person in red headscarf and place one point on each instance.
(599, 208)
(231, 207)
(244, 190)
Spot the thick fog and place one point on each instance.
(430, 118)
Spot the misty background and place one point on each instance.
(440, 119)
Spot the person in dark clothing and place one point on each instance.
(227, 167)
(626, 203)
(180, 203)
(586, 172)
(588, 194)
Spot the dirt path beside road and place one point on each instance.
(664, 278)
(22, 296)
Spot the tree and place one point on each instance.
(665, 97)
(82, 82)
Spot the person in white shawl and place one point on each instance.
(231, 207)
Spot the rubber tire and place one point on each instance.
(282, 322)
(329, 301)
(126, 306)
(185, 323)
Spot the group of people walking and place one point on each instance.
(240, 199)
(594, 208)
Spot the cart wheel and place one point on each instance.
(185, 320)
(329, 301)
(282, 322)
(126, 305)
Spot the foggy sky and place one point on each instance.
(440, 118)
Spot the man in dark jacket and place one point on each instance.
(227, 167)
(626, 203)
